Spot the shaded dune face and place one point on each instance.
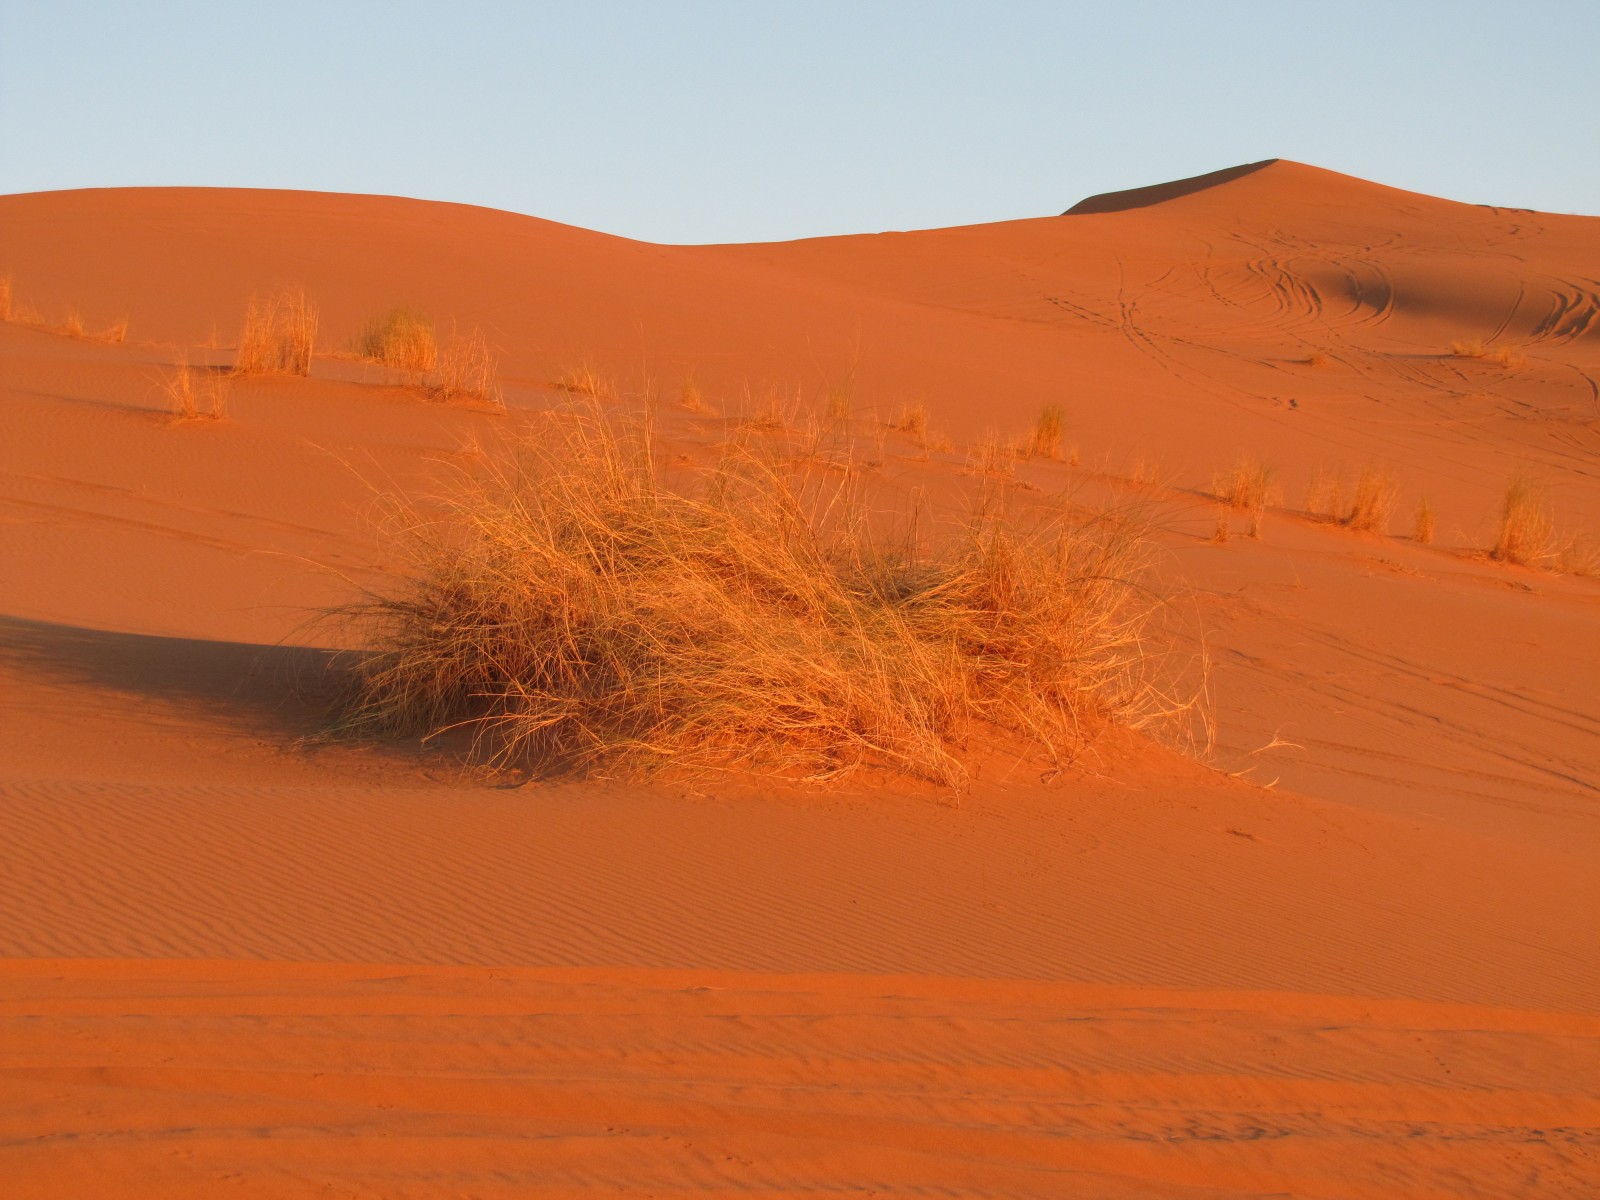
(1351, 944)
(1143, 197)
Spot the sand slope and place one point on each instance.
(238, 962)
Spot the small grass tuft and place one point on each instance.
(691, 398)
(1318, 360)
(838, 402)
(195, 395)
(577, 612)
(1527, 534)
(279, 336)
(1047, 433)
(1247, 488)
(5, 297)
(912, 419)
(1373, 500)
(400, 337)
(1423, 527)
(1475, 348)
(468, 373)
(583, 380)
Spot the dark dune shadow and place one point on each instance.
(1144, 197)
(292, 686)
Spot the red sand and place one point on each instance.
(236, 964)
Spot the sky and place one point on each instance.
(729, 122)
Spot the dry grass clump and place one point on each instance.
(1364, 507)
(576, 612)
(912, 419)
(1318, 360)
(1373, 500)
(1422, 529)
(1247, 488)
(400, 337)
(691, 398)
(279, 336)
(73, 325)
(194, 395)
(994, 458)
(583, 380)
(1527, 534)
(5, 297)
(1047, 433)
(838, 403)
(469, 373)
(1474, 347)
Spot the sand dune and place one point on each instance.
(235, 960)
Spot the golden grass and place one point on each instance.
(1527, 534)
(691, 398)
(279, 336)
(73, 325)
(1373, 500)
(1423, 527)
(838, 402)
(912, 419)
(1318, 359)
(1246, 487)
(116, 333)
(5, 297)
(1475, 348)
(400, 337)
(469, 373)
(583, 380)
(994, 458)
(196, 394)
(576, 612)
(1046, 441)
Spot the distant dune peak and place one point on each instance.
(1157, 193)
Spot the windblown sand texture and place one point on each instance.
(1354, 951)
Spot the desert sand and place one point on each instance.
(1351, 948)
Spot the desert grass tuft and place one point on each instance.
(583, 380)
(195, 395)
(279, 336)
(691, 398)
(1047, 433)
(1318, 360)
(912, 419)
(1475, 348)
(1423, 527)
(1373, 500)
(1246, 487)
(1527, 533)
(400, 337)
(577, 613)
(994, 458)
(73, 325)
(5, 297)
(468, 373)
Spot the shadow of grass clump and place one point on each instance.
(576, 610)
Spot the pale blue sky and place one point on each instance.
(744, 121)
